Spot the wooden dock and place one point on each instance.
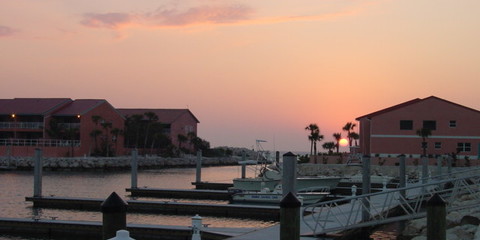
(268, 213)
(180, 193)
(212, 185)
(46, 228)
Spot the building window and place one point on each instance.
(464, 147)
(429, 124)
(406, 125)
(438, 145)
(452, 123)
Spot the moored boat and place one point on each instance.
(265, 196)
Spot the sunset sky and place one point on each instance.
(247, 69)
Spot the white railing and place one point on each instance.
(21, 125)
(40, 142)
(407, 203)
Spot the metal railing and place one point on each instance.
(40, 142)
(21, 125)
(392, 205)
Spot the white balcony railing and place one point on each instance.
(21, 125)
(40, 142)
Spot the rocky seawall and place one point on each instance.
(86, 163)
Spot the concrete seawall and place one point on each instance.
(86, 163)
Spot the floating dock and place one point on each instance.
(180, 193)
(212, 186)
(93, 230)
(268, 213)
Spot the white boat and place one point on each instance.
(358, 178)
(274, 197)
(270, 176)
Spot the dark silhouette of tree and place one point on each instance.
(107, 126)
(355, 137)
(116, 132)
(424, 133)
(337, 137)
(329, 146)
(349, 126)
(181, 140)
(314, 132)
(151, 119)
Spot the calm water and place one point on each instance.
(16, 185)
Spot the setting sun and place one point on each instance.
(343, 142)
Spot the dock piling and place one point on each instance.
(38, 171)
(290, 217)
(196, 227)
(244, 164)
(449, 164)
(289, 172)
(122, 235)
(114, 210)
(198, 175)
(365, 190)
(424, 169)
(134, 166)
(439, 165)
(436, 218)
(402, 174)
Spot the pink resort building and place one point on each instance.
(63, 127)
(176, 122)
(392, 131)
(59, 126)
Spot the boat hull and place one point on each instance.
(275, 198)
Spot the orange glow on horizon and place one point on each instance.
(343, 142)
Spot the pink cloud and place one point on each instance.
(106, 20)
(199, 15)
(6, 31)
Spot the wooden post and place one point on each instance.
(38, 171)
(365, 190)
(439, 165)
(114, 210)
(402, 174)
(290, 217)
(289, 172)
(134, 166)
(436, 218)
(244, 164)
(196, 227)
(198, 174)
(449, 164)
(424, 169)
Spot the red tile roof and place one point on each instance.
(164, 115)
(31, 106)
(401, 105)
(79, 106)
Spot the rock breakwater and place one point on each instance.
(86, 163)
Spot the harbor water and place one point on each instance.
(16, 185)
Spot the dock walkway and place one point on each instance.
(269, 213)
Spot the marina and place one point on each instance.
(341, 203)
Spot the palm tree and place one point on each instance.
(116, 132)
(95, 132)
(316, 137)
(313, 128)
(329, 146)
(337, 137)
(355, 137)
(151, 118)
(181, 139)
(349, 126)
(424, 133)
(107, 126)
